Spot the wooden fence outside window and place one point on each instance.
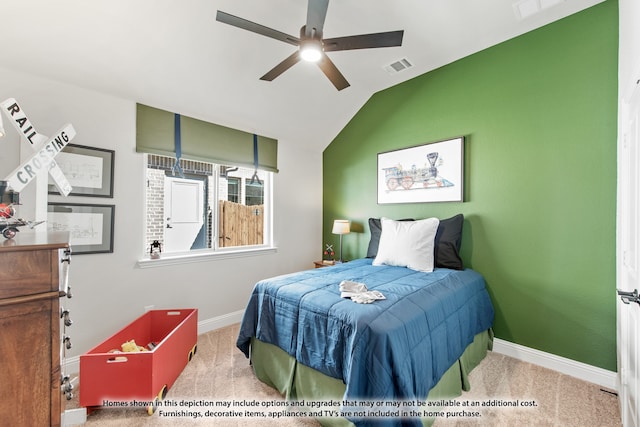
(240, 225)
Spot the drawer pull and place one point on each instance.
(65, 315)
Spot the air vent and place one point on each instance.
(398, 66)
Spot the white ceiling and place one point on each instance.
(174, 55)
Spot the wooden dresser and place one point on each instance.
(33, 278)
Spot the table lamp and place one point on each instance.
(341, 226)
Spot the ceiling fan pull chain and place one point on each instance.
(178, 144)
(255, 160)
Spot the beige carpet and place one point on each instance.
(220, 372)
(562, 401)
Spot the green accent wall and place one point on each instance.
(539, 115)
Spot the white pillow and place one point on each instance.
(407, 243)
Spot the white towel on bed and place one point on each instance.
(349, 288)
(367, 297)
(358, 292)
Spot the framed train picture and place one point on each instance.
(432, 172)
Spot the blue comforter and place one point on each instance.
(397, 348)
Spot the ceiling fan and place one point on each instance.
(312, 46)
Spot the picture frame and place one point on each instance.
(90, 226)
(427, 173)
(89, 170)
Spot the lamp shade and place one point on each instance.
(341, 226)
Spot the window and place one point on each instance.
(254, 193)
(212, 207)
(233, 188)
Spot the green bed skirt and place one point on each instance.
(296, 381)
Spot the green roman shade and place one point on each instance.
(200, 140)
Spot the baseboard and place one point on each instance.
(218, 322)
(72, 364)
(73, 417)
(560, 364)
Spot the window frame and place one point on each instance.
(215, 252)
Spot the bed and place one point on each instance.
(420, 342)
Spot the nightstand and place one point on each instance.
(323, 263)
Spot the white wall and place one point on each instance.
(109, 290)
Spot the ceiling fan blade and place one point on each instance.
(256, 28)
(364, 41)
(331, 71)
(289, 62)
(316, 13)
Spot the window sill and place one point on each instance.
(186, 258)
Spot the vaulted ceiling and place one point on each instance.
(174, 55)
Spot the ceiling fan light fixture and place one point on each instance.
(311, 50)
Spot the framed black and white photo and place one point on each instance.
(90, 227)
(432, 172)
(89, 170)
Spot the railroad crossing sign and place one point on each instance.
(46, 149)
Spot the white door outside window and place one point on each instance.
(184, 213)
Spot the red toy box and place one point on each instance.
(109, 378)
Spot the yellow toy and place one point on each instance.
(132, 347)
